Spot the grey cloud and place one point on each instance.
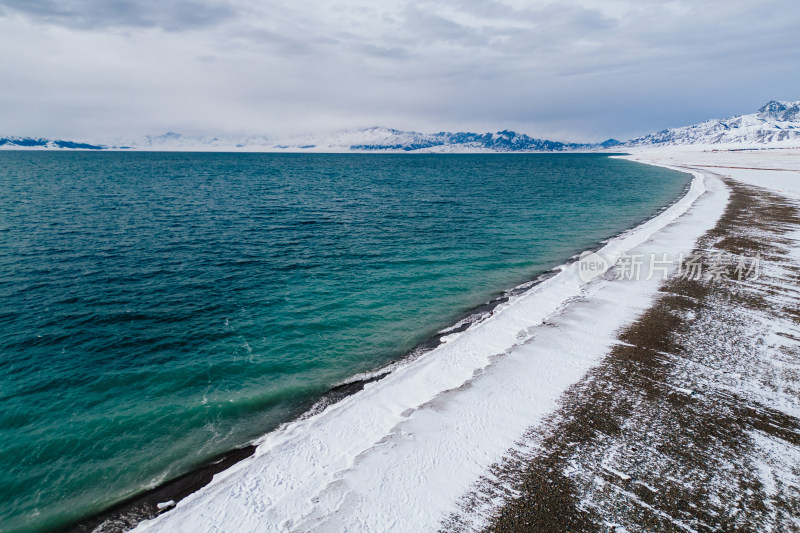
(396, 53)
(430, 27)
(169, 15)
(567, 69)
(486, 9)
(285, 45)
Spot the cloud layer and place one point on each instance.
(580, 70)
(102, 15)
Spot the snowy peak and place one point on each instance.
(780, 111)
(776, 124)
(22, 143)
(445, 141)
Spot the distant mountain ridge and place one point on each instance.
(776, 124)
(38, 142)
(502, 141)
(376, 139)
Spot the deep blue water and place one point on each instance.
(157, 309)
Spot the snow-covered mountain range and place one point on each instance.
(375, 139)
(48, 144)
(367, 140)
(777, 124)
(391, 140)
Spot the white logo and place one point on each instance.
(590, 266)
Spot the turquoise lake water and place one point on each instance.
(157, 309)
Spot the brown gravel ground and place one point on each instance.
(687, 424)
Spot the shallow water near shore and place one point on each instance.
(158, 309)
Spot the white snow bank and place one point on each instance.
(399, 454)
(777, 170)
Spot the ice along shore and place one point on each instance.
(402, 452)
(692, 421)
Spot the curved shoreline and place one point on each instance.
(321, 451)
(695, 407)
(128, 513)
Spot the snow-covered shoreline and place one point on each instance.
(691, 421)
(401, 452)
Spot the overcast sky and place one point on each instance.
(582, 70)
